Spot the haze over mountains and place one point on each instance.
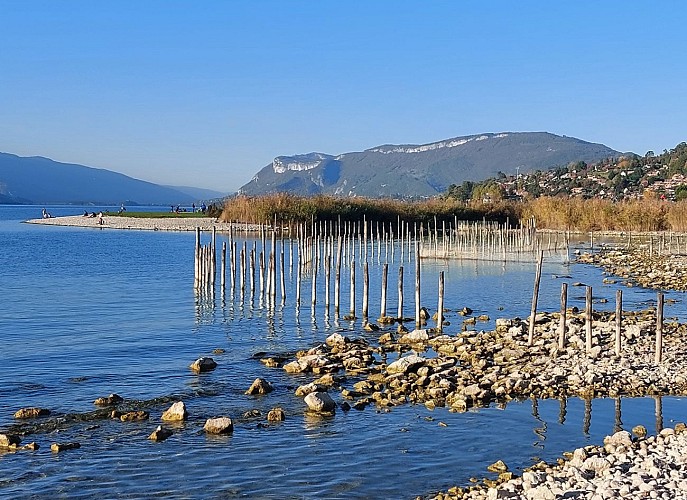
(39, 180)
(422, 170)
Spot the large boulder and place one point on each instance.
(320, 402)
(259, 386)
(175, 413)
(203, 364)
(219, 425)
(406, 364)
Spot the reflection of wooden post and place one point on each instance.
(327, 275)
(535, 296)
(282, 279)
(562, 410)
(440, 307)
(223, 265)
(400, 293)
(588, 319)
(252, 272)
(564, 313)
(659, 329)
(658, 407)
(618, 421)
(587, 416)
(385, 272)
(618, 320)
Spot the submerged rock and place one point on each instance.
(276, 415)
(134, 416)
(259, 386)
(9, 440)
(110, 400)
(160, 434)
(31, 413)
(203, 364)
(58, 447)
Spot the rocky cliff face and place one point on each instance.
(421, 169)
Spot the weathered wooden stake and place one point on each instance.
(223, 265)
(440, 307)
(366, 290)
(535, 296)
(352, 303)
(418, 320)
(382, 307)
(400, 294)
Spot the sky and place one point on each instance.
(206, 93)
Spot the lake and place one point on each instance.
(88, 312)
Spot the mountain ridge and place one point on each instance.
(421, 169)
(41, 180)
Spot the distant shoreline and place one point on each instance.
(136, 223)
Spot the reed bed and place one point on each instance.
(558, 213)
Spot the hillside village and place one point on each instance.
(627, 177)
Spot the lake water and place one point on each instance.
(89, 312)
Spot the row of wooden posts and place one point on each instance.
(562, 328)
(317, 251)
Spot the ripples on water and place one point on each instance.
(89, 312)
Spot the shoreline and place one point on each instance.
(141, 223)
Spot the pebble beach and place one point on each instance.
(138, 223)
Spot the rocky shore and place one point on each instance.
(641, 267)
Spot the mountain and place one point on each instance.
(200, 193)
(41, 181)
(424, 169)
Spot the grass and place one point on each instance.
(160, 215)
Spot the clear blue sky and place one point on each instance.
(205, 93)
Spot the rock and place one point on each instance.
(336, 339)
(406, 364)
(33, 446)
(276, 415)
(424, 314)
(639, 431)
(466, 311)
(110, 400)
(304, 390)
(386, 338)
(175, 413)
(134, 416)
(58, 447)
(619, 438)
(160, 434)
(498, 466)
(219, 425)
(259, 386)
(203, 364)
(386, 320)
(416, 336)
(320, 402)
(31, 413)
(370, 327)
(9, 440)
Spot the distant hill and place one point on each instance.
(40, 180)
(422, 170)
(200, 193)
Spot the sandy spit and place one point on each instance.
(156, 224)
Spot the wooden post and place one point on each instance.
(314, 288)
(418, 321)
(242, 277)
(261, 276)
(440, 307)
(196, 263)
(366, 290)
(659, 329)
(352, 303)
(327, 275)
(535, 296)
(564, 313)
(232, 265)
(382, 307)
(588, 319)
(400, 294)
(618, 321)
(282, 278)
(337, 275)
